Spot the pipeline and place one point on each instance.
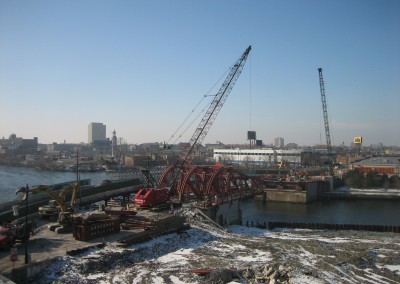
(108, 194)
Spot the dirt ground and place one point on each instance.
(45, 244)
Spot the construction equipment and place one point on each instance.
(10, 233)
(283, 165)
(52, 209)
(171, 176)
(331, 158)
(7, 238)
(151, 194)
(67, 209)
(58, 206)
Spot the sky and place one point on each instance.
(140, 67)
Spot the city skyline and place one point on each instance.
(141, 67)
(266, 144)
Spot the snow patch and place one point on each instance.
(394, 268)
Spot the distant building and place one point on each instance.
(14, 143)
(279, 142)
(309, 157)
(387, 165)
(62, 147)
(96, 133)
(257, 156)
(292, 146)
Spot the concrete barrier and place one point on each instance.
(21, 274)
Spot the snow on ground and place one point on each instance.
(394, 268)
(308, 256)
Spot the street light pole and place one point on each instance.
(78, 177)
(26, 223)
(77, 164)
(238, 156)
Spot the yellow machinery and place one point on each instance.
(58, 206)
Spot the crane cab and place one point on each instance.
(149, 197)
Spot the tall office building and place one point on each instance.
(279, 143)
(96, 133)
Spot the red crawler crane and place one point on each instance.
(171, 178)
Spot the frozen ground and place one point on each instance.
(295, 256)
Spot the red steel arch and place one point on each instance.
(203, 182)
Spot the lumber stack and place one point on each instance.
(153, 228)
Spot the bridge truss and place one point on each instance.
(204, 182)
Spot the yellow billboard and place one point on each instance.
(358, 140)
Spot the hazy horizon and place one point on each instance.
(140, 67)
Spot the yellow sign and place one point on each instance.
(358, 140)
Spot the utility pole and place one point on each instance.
(26, 223)
(78, 177)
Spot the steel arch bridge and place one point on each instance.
(202, 182)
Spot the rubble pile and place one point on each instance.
(271, 274)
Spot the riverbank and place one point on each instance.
(13, 178)
(60, 165)
(356, 193)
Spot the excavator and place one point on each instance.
(51, 210)
(58, 206)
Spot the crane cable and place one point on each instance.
(193, 111)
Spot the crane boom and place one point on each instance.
(202, 129)
(326, 121)
(170, 177)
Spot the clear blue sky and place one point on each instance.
(140, 67)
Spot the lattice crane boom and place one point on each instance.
(326, 121)
(202, 129)
(171, 176)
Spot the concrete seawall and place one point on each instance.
(362, 195)
(323, 226)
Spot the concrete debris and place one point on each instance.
(269, 274)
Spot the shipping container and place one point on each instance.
(95, 230)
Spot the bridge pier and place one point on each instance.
(225, 214)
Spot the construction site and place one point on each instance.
(215, 191)
(212, 188)
(77, 218)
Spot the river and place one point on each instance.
(12, 178)
(365, 212)
(368, 212)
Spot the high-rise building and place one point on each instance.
(96, 133)
(279, 143)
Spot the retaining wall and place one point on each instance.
(359, 227)
(225, 213)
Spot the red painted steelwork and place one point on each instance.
(204, 182)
